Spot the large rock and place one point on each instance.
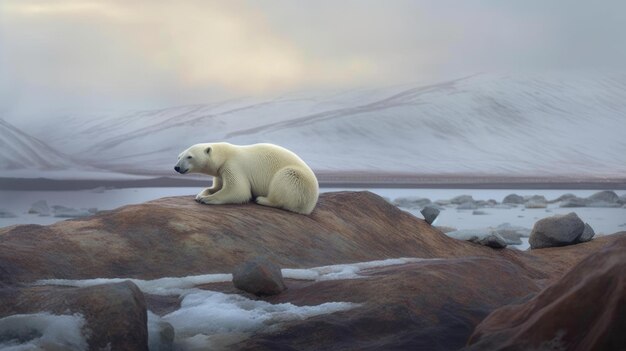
(558, 230)
(585, 310)
(513, 199)
(115, 314)
(178, 237)
(429, 305)
(259, 276)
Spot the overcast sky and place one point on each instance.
(152, 53)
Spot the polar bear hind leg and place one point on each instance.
(292, 190)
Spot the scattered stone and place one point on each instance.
(68, 212)
(467, 206)
(559, 230)
(411, 202)
(40, 207)
(604, 196)
(564, 197)
(513, 199)
(479, 212)
(259, 276)
(4, 213)
(486, 237)
(98, 190)
(430, 213)
(493, 240)
(574, 202)
(461, 199)
(588, 233)
(535, 201)
(533, 204)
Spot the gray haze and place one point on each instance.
(91, 55)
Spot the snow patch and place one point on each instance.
(343, 271)
(161, 286)
(42, 331)
(210, 320)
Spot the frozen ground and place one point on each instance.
(213, 320)
(603, 220)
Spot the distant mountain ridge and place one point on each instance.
(19, 150)
(543, 125)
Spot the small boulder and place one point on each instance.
(534, 204)
(470, 205)
(411, 202)
(461, 199)
(430, 213)
(40, 207)
(559, 230)
(604, 196)
(493, 240)
(4, 213)
(574, 202)
(588, 233)
(513, 199)
(259, 276)
(564, 197)
(486, 237)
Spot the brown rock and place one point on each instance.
(115, 314)
(585, 310)
(177, 237)
(429, 305)
(259, 276)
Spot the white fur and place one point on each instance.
(272, 175)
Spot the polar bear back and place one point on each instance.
(261, 162)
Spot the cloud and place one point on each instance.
(94, 53)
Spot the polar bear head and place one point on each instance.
(201, 158)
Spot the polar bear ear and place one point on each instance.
(207, 150)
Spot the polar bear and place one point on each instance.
(270, 174)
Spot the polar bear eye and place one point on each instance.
(189, 157)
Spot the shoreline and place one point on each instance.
(336, 180)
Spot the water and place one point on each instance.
(603, 220)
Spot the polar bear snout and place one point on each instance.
(179, 170)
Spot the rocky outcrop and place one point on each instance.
(115, 314)
(429, 305)
(176, 237)
(432, 303)
(558, 230)
(259, 276)
(585, 310)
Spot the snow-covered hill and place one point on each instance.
(571, 125)
(19, 150)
